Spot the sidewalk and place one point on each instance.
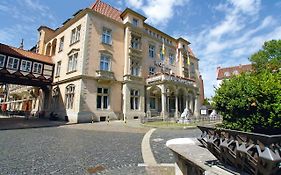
(19, 122)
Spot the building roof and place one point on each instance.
(107, 10)
(9, 50)
(227, 72)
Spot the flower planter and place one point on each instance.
(252, 153)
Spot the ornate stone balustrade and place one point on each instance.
(105, 75)
(256, 154)
(170, 78)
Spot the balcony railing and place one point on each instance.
(170, 78)
(105, 75)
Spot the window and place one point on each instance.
(105, 62)
(75, 35)
(61, 44)
(58, 68)
(135, 67)
(151, 70)
(161, 54)
(106, 36)
(135, 22)
(2, 60)
(25, 66)
(135, 42)
(102, 98)
(72, 62)
(69, 96)
(134, 101)
(13, 63)
(37, 68)
(56, 93)
(192, 67)
(171, 58)
(151, 51)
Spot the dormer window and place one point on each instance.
(135, 22)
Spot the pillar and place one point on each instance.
(176, 105)
(147, 94)
(163, 101)
(196, 106)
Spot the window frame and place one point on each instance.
(135, 99)
(171, 58)
(35, 69)
(12, 67)
(135, 22)
(69, 96)
(61, 44)
(106, 37)
(135, 67)
(101, 105)
(151, 70)
(151, 51)
(24, 69)
(105, 58)
(135, 42)
(71, 67)
(4, 59)
(75, 35)
(58, 68)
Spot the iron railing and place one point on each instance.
(255, 154)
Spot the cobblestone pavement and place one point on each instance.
(71, 150)
(159, 138)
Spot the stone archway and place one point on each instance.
(153, 98)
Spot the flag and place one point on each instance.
(188, 59)
(163, 47)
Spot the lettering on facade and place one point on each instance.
(163, 67)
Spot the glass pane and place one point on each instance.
(136, 103)
(105, 102)
(99, 90)
(132, 102)
(105, 91)
(99, 102)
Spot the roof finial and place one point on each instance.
(21, 44)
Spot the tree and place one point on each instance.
(269, 57)
(252, 101)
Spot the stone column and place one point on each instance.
(176, 105)
(196, 106)
(148, 113)
(187, 101)
(163, 101)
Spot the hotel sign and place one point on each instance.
(170, 78)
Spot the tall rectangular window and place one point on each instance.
(134, 100)
(135, 68)
(2, 60)
(135, 22)
(37, 68)
(106, 36)
(105, 62)
(151, 51)
(69, 96)
(151, 70)
(75, 35)
(72, 62)
(58, 68)
(61, 44)
(25, 66)
(152, 102)
(161, 54)
(13, 63)
(192, 67)
(171, 58)
(135, 42)
(102, 98)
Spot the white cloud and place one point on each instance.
(157, 11)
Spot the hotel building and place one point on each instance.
(110, 64)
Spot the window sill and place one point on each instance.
(70, 72)
(107, 44)
(57, 76)
(71, 44)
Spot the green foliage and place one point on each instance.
(251, 102)
(269, 57)
(206, 102)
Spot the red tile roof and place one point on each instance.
(106, 10)
(16, 52)
(227, 72)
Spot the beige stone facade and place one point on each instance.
(110, 65)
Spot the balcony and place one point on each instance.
(102, 75)
(133, 78)
(135, 52)
(161, 78)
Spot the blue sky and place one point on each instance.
(221, 32)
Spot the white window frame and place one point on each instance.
(102, 96)
(135, 42)
(3, 58)
(151, 70)
(105, 59)
(61, 44)
(135, 67)
(134, 99)
(24, 66)
(151, 50)
(37, 68)
(13, 62)
(69, 96)
(75, 35)
(58, 68)
(72, 62)
(107, 36)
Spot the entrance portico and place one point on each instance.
(168, 95)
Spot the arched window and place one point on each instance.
(55, 96)
(69, 96)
